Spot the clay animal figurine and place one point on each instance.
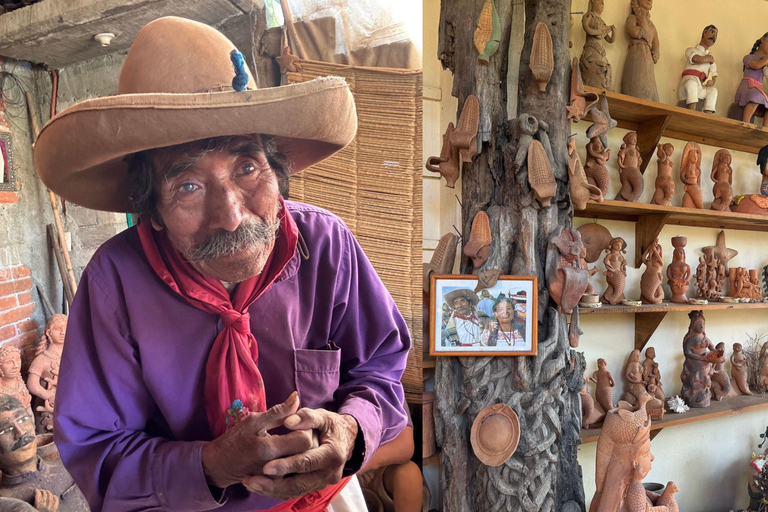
(540, 175)
(581, 191)
(651, 374)
(699, 353)
(638, 79)
(11, 383)
(755, 203)
(596, 171)
(739, 374)
(604, 384)
(615, 271)
(667, 498)
(690, 175)
(595, 68)
(542, 56)
(629, 161)
(636, 500)
(602, 122)
(721, 382)
(479, 242)
(665, 185)
(488, 32)
(566, 280)
(581, 101)
(698, 80)
(750, 95)
(679, 272)
(43, 374)
(651, 291)
(722, 177)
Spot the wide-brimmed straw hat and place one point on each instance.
(461, 292)
(176, 86)
(495, 434)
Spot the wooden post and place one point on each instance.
(543, 474)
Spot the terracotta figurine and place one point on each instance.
(44, 370)
(590, 413)
(690, 175)
(447, 164)
(700, 353)
(756, 203)
(581, 191)
(540, 176)
(722, 177)
(739, 374)
(442, 259)
(596, 171)
(581, 102)
(591, 271)
(667, 498)
(566, 280)
(764, 373)
(11, 383)
(477, 247)
(651, 291)
(638, 78)
(636, 387)
(709, 275)
(721, 382)
(629, 161)
(615, 271)
(750, 95)
(596, 239)
(665, 185)
(741, 284)
(700, 75)
(595, 68)
(679, 272)
(604, 384)
(651, 374)
(542, 57)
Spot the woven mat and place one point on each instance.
(374, 185)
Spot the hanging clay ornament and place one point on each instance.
(595, 239)
(542, 58)
(581, 191)
(495, 434)
(479, 239)
(566, 280)
(540, 175)
(464, 137)
(488, 32)
(574, 331)
(447, 164)
(442, 259)
(581, 101)
(487, 279)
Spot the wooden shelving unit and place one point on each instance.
(726, 407)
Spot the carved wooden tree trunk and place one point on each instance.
(543, 475)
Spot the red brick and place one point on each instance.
(14, 315)
(9, 197)
(10, 287)
(26, 326)
(25, 298)
(24, 284)
(8, 302)
(7, 288)
(5, 274)
(25, 340)
(7, 332)
(21, 272)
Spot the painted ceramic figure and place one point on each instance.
(596, 171)
(44, 370)
(604, 384)
(700, 74)
(722, 177)
(756, 203)
(11, 383)
(651, 291)
(595, 68)
(739, 373)
(690, 175)
(665, 185)
(639, 79)
(629, 161)
(699, 353)
(615, 271)
(750, 94)
(679, 272)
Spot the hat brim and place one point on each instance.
(461, 292)
(80, 154)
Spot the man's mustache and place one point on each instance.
(22, 442)
(227, 243)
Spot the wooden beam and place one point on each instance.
(647, 230)
(648, 137)
(645, 326)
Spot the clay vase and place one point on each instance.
(542, 56)
(46, 448)
(679, 272)
(429, 446)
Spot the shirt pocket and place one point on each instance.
(317, 375)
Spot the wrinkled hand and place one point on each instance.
(45, 501)
(243, 450)
(316, 468)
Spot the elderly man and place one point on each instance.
(464, 327)
(698, 79)
(190, 334)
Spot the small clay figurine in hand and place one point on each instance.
(690, 175)
(739, 371)
(594, 65)
(629, 161)
(596, 171)
(722, 177)
(700, 75)
(750, 94)
(665, 185)
(615, 271)
(604, 384)
(679, 272)
(638, 79)
(651, 291)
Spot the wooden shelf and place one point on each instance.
(666, 307)
(429, 362)
(727, 407)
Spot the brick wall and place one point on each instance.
(16, 309)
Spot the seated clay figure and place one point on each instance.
(700, 354)
(26, 476)
(44, 370)
(11, 383)
(651, 374)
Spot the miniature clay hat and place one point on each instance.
(495, 434)
(461, 292)
(182, 82)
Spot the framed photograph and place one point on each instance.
(498, 321)
(7, 177)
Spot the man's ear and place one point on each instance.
(156, 226)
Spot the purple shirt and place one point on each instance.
(130, 418)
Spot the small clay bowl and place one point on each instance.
(590, 298)
(495, 434)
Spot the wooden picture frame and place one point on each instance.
(477, 333)
(7, 176)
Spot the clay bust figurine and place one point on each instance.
(581, 191)
(722, 177)
(739, 374)
(721, 383)
(11, 383)
(44, 370)
(651, 291)
(690, 175)
(679, 272)
(651, 374)
(638, 78)
(596, 171)
(26, 476)
(665, 185)
(700, 353)
(629, 161)
(615, 271)
(700, 74)
(604, 384)
(595, 68)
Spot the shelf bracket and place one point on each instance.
(656, 432)
(645, 326)
(648, 137)
(647, 229)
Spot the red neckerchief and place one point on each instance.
(472, 318)
(231, 372)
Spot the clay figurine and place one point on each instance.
(764, 373)
(288, 61)
(602, 122)
(442, 259)
(739, 374)
(665, 185)
(581, 191)
(590, 413)
(756, 203)
(722, 253)
(447, 164)
(721, 382)
(652, 375)
(488, 32)
(596, 171)
(750, 95)
(651, 291)
(700, 74)
(604, 384)
(464, 137)
(11, 383)
(44, 371)
(700, 354)
(542, 57)
(667, 498)
(540, 175)
(709, 275)
(638, 79)
(679, 272)
(595, 68)
(629, 161)
(581, 102)
(615, 271)
(591, 271)
(566, 280)
(479, 240)
(690, 175)
(636, 387)
(722, 177)
(741, 283)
